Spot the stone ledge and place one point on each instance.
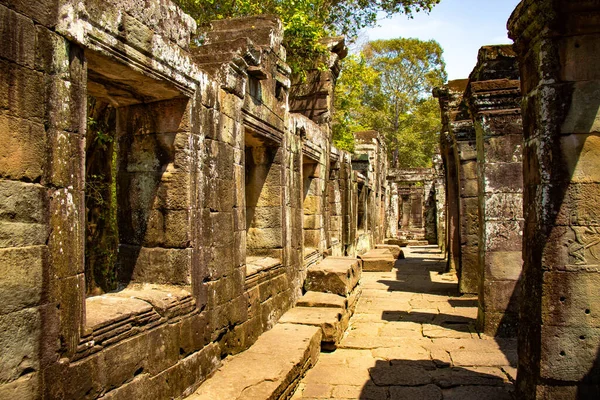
(114, 317)
(270, 369)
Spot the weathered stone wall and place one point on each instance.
(494, 99)
(210, 180)
(369, 162)
(414, 213)
(559, 329)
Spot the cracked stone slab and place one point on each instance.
(268, 369)
(329, 320)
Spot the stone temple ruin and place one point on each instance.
(171, 214)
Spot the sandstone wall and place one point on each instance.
(559, 331)
(220, 192)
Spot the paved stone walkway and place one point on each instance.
(413, 338)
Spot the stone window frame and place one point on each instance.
(260, 265)
(81, 334)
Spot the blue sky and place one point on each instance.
(460, 26)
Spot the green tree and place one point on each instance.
(397, 100)
(306, 22)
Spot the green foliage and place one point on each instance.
(306, 22)
(102, 236)
(388, 88)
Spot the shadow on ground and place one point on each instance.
(416, 380)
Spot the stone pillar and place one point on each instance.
(494, 98)
(450, 98)
(558, 43)
(440, 200)
(393, 214)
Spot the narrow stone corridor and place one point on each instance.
(413, 338)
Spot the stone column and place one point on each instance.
(450, 98)
(494, 98)
(558, 46)
(440, 201)
(393, 211)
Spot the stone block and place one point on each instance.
(260, 238)
(469, 188)
(67, 225)
(312, 222)
(503, 177)
(501, 295)
(395, 250)
(377, 260)
(321, 299)
(24, 388)
(504, 206)
(290, 348)
(18, 234)
(333, 275)
(571, 299)
(21, 278)
(220, 261)
(326, 318)
(19, 339)
(163, 348)
(18, 33)
(265, 217)
(568, 352)
(126, 359)
(24, 91)
(22, 202)
(503, 265)
(469, 276)
(23, 154)
(312, 238)
(579, 206)
(65, 159)
(312, 205)
(504, 235)
(507, 148)
(397, 242)
(66, 100)
(154, 265)
(579, 155)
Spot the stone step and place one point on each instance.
(319, 299)
(397, 242)
(332, 321)
(394, 249)
(414, 243)
(270, 369)
(377, 260)
(337, 275)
